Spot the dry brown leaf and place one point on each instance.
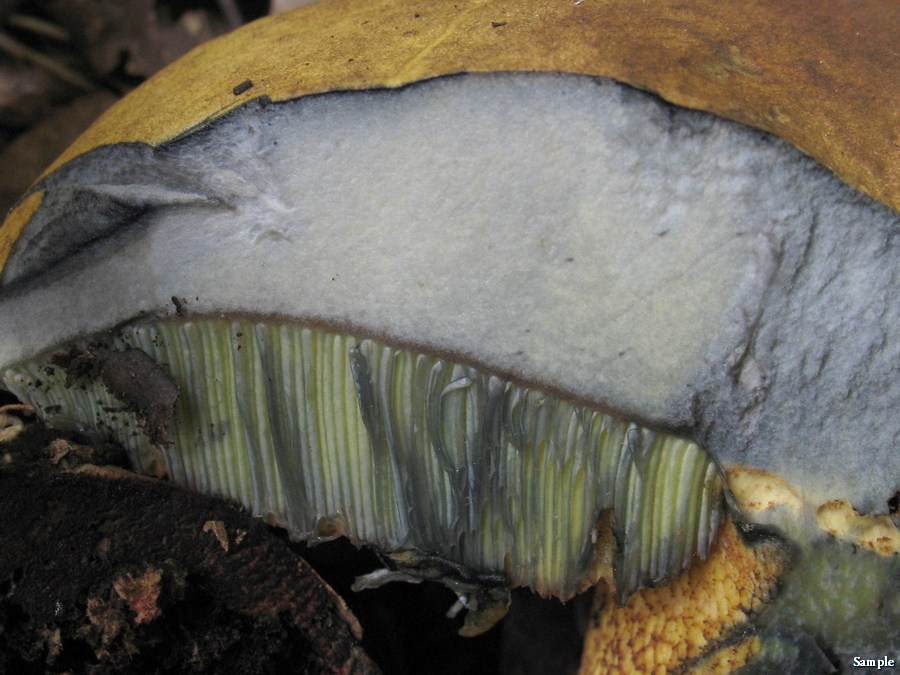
(139, 35)
(27, 93)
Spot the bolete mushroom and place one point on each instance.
(412, 291)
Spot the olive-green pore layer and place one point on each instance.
(327, 433)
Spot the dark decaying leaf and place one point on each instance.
(27, 93)
(106, 572)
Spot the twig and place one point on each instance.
(42, 27)
(17, 50)
(23, 408)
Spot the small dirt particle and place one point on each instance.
(242, 87)
(217, 527)
(142, 384)
(141, 593)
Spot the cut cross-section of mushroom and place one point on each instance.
(461, 319)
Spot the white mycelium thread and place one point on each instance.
(405, 450)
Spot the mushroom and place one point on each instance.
(423, 277)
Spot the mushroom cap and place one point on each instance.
(820, 75)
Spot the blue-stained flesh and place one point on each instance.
(403, 450)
